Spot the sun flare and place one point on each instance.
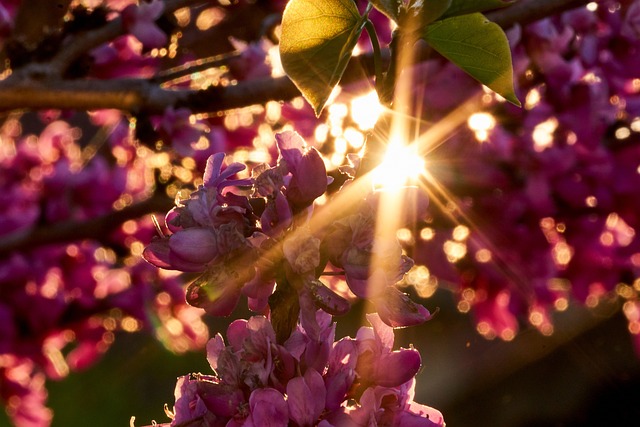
(401, 166)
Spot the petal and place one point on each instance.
(217, 294)
(197, 245)
(309, 181)
(306, 398)
(268, 408)
(326, 299)
(221, 399)
(157, 253)
(396, 368)
(397, 310)
(214, 347)
(290, 145)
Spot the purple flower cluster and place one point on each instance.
(309, 380)
(61, 303)
(240, 249)
(547, 193)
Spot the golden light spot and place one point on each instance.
(591, 78)
(340, 145)
(163, 298)
(460, 233)
(592, 6)
(572, 138)
(354, 137)
(591, 201)
(469, 294)
(464, 307)
(485, 330)
(72, 251)
(625, 291)
(208, 18)
(536, 318)
(336, 159)
(405, 235)
(104, 255)
(174, 326)
(110, 324)
(183, 16)
(623, 133)
(273, 112)
(546, 329)
(483, 255)
(321, 133)
(481, 124)
(543, 134)
(503, 298)
(635, 124)
(366, 110)
(592, 300)
(606, 238)
(532, 99)
(401, 165)
(455, 251)
(562, 254)
(129, 324)
(137, 248)
(427, 233)
(561, 304)
(129, 227)
(508, 334)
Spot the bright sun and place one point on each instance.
(401, 166)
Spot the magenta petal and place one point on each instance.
(214, 348)
(418, 414)
(397, 367)
(306, 398)
(157, 253)
(326, 299)
(215, 300)
(309, 181)
(197, 245)
(290, 145)
(397, 310)
(268, 408)
(237, 333)
(221, 399)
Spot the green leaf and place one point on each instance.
(417, 14)
(318, 37)
(391, 8)
(463, 7)
(477, 46)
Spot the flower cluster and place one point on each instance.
(61, 303)
(240, 249)
(547, 194)
(309, 380)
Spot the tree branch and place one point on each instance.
(135, 95)
(85, 42)
(94, 228)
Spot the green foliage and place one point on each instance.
(477, 46)
(318, 37)
(463, 7)
(417, 14)
(391, 8)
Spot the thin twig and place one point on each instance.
(18, 92)
(94, 228)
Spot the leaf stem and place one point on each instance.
(375, 44)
